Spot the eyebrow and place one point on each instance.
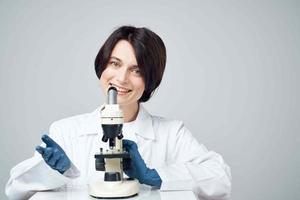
(118, 59)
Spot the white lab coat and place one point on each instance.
(166, 145)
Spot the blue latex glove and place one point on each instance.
(54, 155)
(139, 170)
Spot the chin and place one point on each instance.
(126, 103)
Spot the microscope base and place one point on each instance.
(114, 189)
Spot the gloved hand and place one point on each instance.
(54, 155)
(139, 170)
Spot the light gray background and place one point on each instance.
(232, 76)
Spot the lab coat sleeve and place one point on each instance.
(34, 174)
(190, 166)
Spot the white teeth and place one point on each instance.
(122, 90)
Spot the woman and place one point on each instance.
(167, 155)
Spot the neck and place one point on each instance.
(130, 112)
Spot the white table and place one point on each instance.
(146, 193)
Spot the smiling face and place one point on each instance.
(122, 72)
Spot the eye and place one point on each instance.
(136, 71)
(114, 63)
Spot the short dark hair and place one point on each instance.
(150, 53)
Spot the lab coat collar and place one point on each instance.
(143, 123)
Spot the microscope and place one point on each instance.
(114, 159)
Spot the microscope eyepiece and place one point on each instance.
(112, 95)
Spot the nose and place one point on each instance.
(122, 75)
